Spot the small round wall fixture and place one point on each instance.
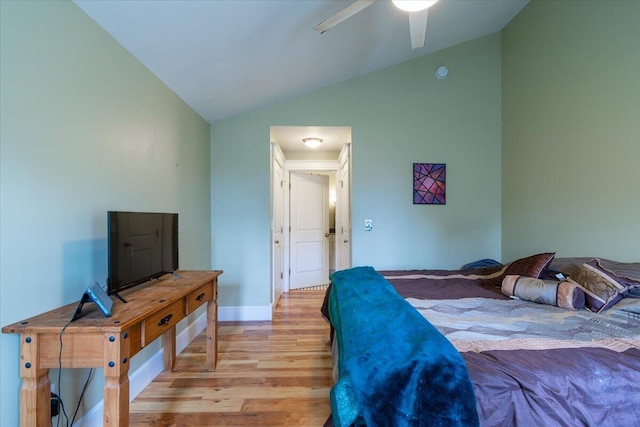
(442, 72)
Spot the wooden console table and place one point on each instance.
(96, 341)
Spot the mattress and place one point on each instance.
(532, 364)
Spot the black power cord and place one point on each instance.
(60, 403)
(56, 400)
(86, 384)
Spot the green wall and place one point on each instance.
(85, 128)
(571, 130)
(399, 115)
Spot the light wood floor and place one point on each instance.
(274, 373)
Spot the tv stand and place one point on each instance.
(117, 295)
(96, 341)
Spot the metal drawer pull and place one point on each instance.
(165, 320)
(200, 297)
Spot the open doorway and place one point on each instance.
(311, 206)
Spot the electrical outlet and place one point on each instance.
(55, 405)
(368, 225)
(55, 401)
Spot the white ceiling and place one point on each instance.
(225, 57)
(289, 138)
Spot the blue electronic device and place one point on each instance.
(96, 294)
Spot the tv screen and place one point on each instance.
(141, 246)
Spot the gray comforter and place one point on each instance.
(535, 365)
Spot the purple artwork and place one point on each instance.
(429, 181)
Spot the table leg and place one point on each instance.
(212, 334)
(116, 375)
(169, 348)
(35, 398)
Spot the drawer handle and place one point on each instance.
(200, 297)
(165, 319)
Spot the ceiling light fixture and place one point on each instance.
(312, 142)
(413, 5)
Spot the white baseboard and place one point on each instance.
(145, 374)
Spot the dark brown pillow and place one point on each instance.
(530, 266)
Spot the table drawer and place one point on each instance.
(135, 339)
(157, 324)
(198, 297)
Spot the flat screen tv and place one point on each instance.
(141, 246)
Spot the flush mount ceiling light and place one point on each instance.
(312, 142)
(413, 5)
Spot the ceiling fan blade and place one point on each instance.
(345, 13)
(418, 28)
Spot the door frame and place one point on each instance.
(298, 166)
(343, 260)
(276, 155)
(302, 166)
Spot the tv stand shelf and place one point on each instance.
(95, 341)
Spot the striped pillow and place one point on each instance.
(602, 287)
(561, 294)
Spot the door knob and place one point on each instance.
(326, 234)
(277, 241)
(346, 241)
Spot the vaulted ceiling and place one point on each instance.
(225, 57)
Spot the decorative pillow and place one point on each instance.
(530, 266)
(602, 287)
(486, 262)
(569, 266)
(561, 294)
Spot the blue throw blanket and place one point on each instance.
(396, 369)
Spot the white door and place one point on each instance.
(309, 221)
(278, 223)
(343, 223)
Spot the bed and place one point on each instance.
(447, 348)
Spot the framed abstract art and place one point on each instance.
(429, 183)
